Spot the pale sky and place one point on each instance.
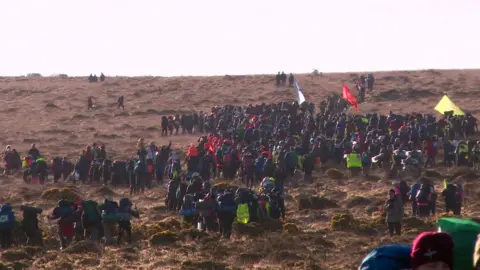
(218, 37)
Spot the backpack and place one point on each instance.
(188, 206)
(125, 202)
(227, 159)
(391, 257)
(243, 195)
(226, 202)
(173, 186)
(91, 213)
(110, 211)
(464, 234)
(274, 206)
(423, 194)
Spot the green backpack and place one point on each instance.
(91, 213)
(464, 233)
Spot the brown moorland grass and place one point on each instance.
(337, 220)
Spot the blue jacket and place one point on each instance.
(415, 188)
(260, 162)
(7, 217)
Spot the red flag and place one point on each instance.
(349, 97)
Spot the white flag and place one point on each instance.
(300, 96)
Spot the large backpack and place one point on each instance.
(464, 234)
(243, 195)
(391, 257)
(91, 214)
(110, 211)
(226, 202)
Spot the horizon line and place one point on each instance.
(59, 75)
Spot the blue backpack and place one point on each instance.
(388, 257)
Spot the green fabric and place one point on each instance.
(464, 233)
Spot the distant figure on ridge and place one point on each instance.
(283, 78)
(370, 81)
(291, 80)
(90, 78)
(102, 77)
(95, 79)
(278, 79)
(120, 102)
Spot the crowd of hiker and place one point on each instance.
(76, 220)
(265, 145)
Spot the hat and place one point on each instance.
(432, 247)
(476, 253)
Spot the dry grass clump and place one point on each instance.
(163, 238)
(335, 174)
(290, 228)
(191, 234)
(85, 246)
(202, 265)
(315, 202)
(225, 186)
(255, 229)
(17, 254)
(58, 193)
(343, 222)
(433, 174)
(357, 201)
(105, 191)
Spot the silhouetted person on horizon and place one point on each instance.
(291, 80)
(278, 79)
(90, 78)
(102, 77)
(283, 78)
(95, 79)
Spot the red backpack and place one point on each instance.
(227, 159)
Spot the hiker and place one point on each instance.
(33, 152)
(102, 77)
(412, 197)
(278, 79)
(432, 250)
(110, 218)
(7, 223)
(423, 198)
(91, 220)
(65, 215)
(90, 78)
(283, 78)
(124, 224)
(226, 209)
(453, 196)
(172, 194)
(370, 82)
(120, 102)
(291, 80)
(30, 224)
(394, 213)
